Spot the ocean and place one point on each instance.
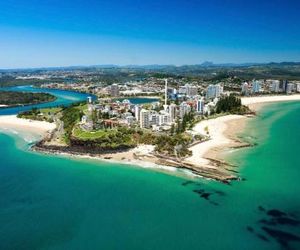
(54, 202)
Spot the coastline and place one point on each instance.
(207, 160)
(223, 133)
(38, 127)
(236, 124)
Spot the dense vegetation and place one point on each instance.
(176, 145)
(12, 98)
(231, 104)
(70, 116)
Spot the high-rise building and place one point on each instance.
(191, 90)
(256, 86)
(214, 91)
(200, 106)
(154, 118)
(166, 92)
(245, 88)
(298, 87)
(275, 86)
(114, 90)
(182, 90)
(145, 118)
(184, 108)
(172, 112)
(137, 112)
(284, 85)
(289, 88)
(163, 118)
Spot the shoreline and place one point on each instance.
(207, 160)
(236, 125)
(40, 128)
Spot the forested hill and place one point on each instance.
(12, 98)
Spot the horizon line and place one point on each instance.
(203, 64)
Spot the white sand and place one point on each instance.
(216, 128)
(38, 127)
(3, 106)
(250, 101)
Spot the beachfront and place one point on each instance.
(13, 122)
(222, 132)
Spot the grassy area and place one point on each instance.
(91, 135)
(120, 138)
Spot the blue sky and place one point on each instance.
(37, 33)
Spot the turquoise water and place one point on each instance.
(140, 100)
(50, 202)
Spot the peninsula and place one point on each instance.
(13, 98)
(188, 136)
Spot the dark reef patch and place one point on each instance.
(186, 183)
(283, 238)
(280, 226)
(276, 213)
(262, 237)
(250, 229)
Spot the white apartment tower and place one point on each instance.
(172, 112)
(137, 112)
(114, 90)
(214, 91)
(145, 118)
(200, 106)
(166, 94)
(256, 86)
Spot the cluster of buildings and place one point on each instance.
(153, 115)
(270, 86)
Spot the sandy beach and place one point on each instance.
(38, 127)
(256, 102)
(222, 132)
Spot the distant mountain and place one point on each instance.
(203, 65)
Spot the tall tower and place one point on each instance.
(166, 91)
(166, 95)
